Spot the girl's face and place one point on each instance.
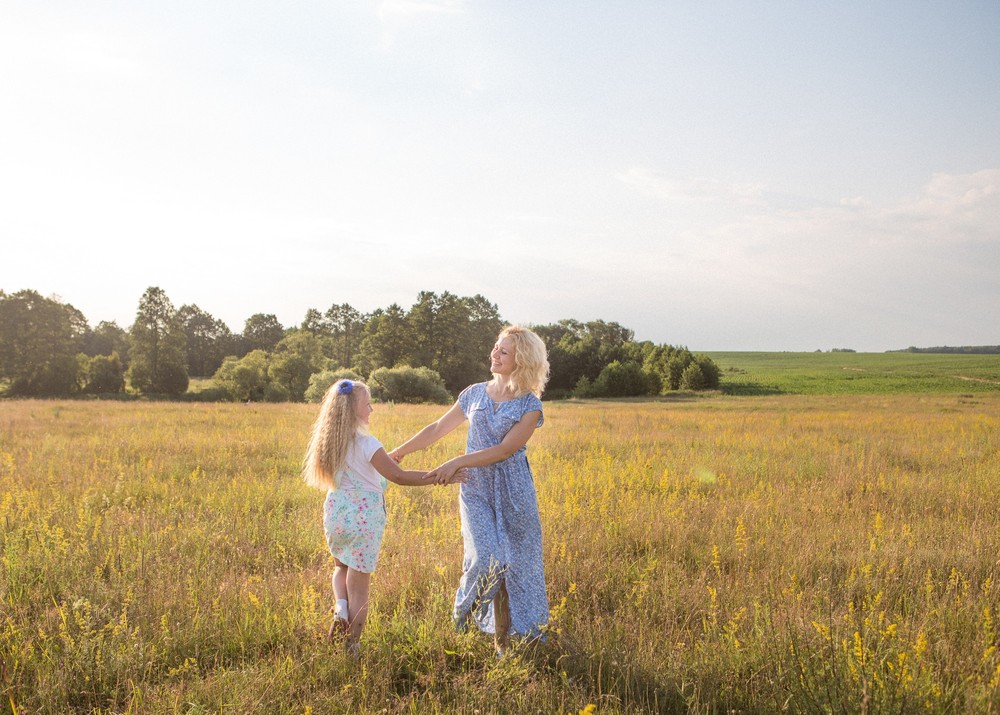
(502, 357)
(363, 405)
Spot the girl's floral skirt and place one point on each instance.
(354, 521)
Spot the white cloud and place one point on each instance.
(953, 207)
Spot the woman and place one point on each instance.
(501, 530)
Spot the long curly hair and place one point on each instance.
(335, 428)
(531, 363)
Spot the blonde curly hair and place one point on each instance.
(335, 427)
(531, 363)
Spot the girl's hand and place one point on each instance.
(460, 477)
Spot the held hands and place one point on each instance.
(448, 473)
(395, 456)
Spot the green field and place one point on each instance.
(705, 553)
(845, 373)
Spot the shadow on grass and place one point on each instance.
(608, 679)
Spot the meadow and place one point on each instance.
(849, 373)
(713, 553)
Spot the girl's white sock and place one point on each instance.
(340, 609)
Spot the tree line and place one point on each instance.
(426, 353)
(957, 350)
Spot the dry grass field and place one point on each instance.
(704, 554)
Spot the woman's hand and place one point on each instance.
(395, 456)
(446, 473)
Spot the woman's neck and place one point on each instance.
(502, 385)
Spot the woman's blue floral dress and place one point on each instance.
(501, 530)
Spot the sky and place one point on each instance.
(720, 175)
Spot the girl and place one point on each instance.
(353, 467)
(503, 580)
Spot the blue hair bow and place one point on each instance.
(345, 388)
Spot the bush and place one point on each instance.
(693, 378)
(245, 379)
(620, 379)
(172, 379)
(670, 364)
(408, 384)
(584, 388)
(319, 382)
(276, 392)
(105, 375)
(57, 376)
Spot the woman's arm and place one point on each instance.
(385, 466)
(430, 434)
(516, 437)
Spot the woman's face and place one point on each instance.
(502, 357)
(363, 405)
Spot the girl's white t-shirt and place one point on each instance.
(358, 472)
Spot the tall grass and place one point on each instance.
(798, 554)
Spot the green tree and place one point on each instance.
(346, 327)
(710, 371)
(105, 339)
(315, 323)
(39, 341)
(387, 341)
(208, 340)
(484, 324)
(244, 379)
(157, 346)
(422, 319)
(453, 336)
(581, 350)
(565, 370)
(261, 331)
(672, 363)
(295, 358)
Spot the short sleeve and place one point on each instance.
(369, 446)
(465, 399)
(532, 403)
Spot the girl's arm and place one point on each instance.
(430, 434)
(516, 437)
(389, 469)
